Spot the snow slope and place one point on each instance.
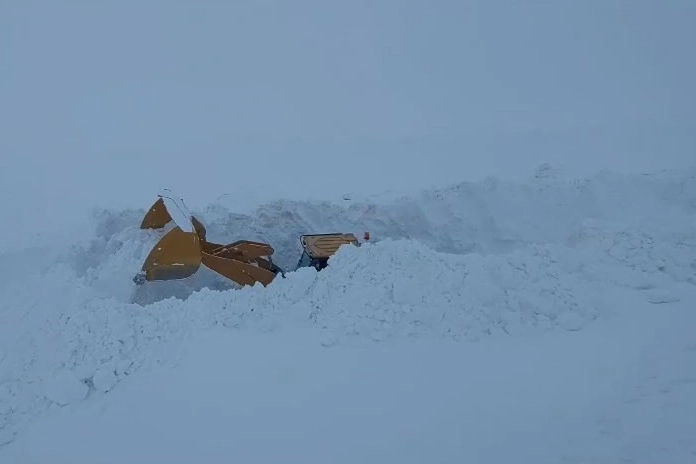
(556, 308)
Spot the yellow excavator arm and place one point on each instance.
(181, 251)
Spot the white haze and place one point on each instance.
(104, 103)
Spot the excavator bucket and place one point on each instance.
(176, 256)
(182, 250)
(157, 216)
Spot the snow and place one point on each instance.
(65, 388)
(178, 210)
(276, 396)
(526, 175)
(492, 321)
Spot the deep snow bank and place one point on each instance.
(647, 222)
(465, 262)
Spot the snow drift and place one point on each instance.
(473, 260)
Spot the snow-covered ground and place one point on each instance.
(541, 321)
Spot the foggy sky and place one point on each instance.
(211, 96)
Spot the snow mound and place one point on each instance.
(465, 262)
(80, 343)
(64, 388)
(404, 288)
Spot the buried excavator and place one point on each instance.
(183, 249)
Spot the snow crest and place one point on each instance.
(465, 262)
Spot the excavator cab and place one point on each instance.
(318, 248)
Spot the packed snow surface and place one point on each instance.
(545, 321)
